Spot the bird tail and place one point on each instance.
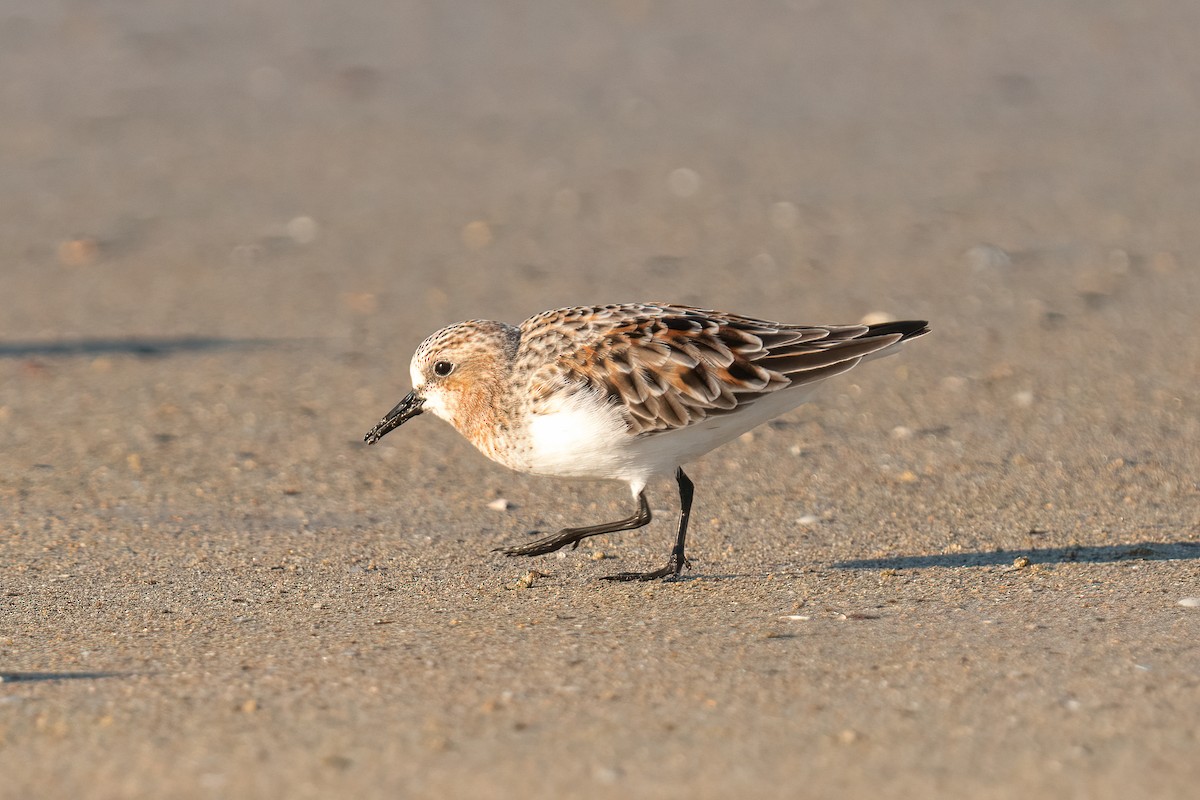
(907, 328)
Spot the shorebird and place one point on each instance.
(624, 392)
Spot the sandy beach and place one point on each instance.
(970, 570)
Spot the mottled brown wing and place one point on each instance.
(671, 366)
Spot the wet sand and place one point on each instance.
(958, 573)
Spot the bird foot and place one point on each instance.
(532, 549)
(669, 572)
(547, 544)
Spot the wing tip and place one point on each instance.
(907, 328)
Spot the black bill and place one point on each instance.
(405, 410)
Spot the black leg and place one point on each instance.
(677, 562)
(574, 536)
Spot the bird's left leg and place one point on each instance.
(678, 561)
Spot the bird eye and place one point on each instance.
(442, 368)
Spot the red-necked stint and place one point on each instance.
(624, 392)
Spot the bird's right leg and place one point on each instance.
(678, 560)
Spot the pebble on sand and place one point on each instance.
(500, 504)
(476, 235)
(1190, 602)
(526, 581)
(361, 303)
(987, 256)
(1164, 263)
(877, 318)
(302, 230)
(78, 252)
(954, 383)
(683, 182)
(784, 215)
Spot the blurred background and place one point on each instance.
(373, 170)
(316, 186)
(320, 185)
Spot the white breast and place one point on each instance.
(579, 436)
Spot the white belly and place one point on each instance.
(586, 437)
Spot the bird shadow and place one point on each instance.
(1091, 554)
(149, 346)
(39, 677)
